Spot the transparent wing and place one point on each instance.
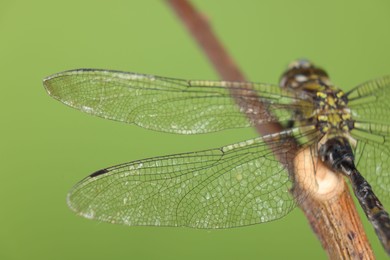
(372, 157)
(369, 102)
(163, 104)
(236, 185)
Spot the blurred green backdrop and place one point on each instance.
(47, 147)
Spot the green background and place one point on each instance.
(47, 147)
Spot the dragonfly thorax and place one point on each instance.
(327, 105)
(331, 113)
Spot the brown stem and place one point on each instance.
(335, 221)
(201, 31)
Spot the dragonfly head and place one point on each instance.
(300, 63)
(302, 73)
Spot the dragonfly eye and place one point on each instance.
(303, 72)
(300, 64)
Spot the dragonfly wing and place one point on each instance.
(236, 185)
(369, 102)
(163, 104)
(372, 157)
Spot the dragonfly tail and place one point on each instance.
(372, 207)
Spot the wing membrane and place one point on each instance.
(372, 157)
(163, 104)
(236, 185)
(369, 102)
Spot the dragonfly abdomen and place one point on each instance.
(337, 154)
(372, 207)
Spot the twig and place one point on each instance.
(201, 31)
(334, 220)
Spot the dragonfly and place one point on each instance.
(240, 184)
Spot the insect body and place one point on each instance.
(333, 119)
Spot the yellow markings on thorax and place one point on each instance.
(330, 100)
(346, 116)
(322, 118)
(321, 95)
(332, 113)
(334, 118)
(340, 94)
